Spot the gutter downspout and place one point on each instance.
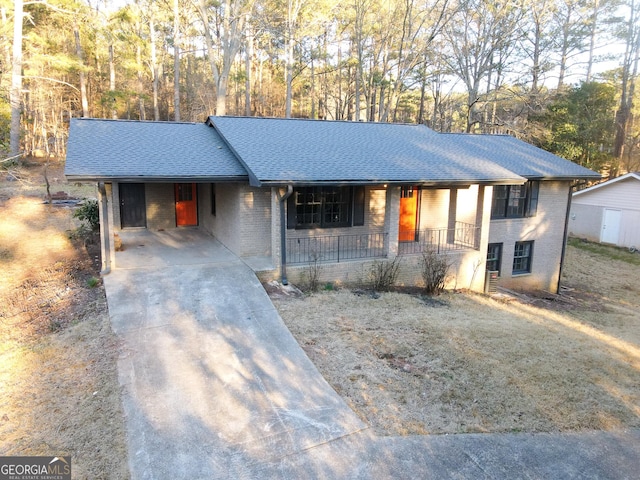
(565, 237)
(283, 235)
(104, 230)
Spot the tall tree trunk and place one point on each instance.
(15, 96)
(176, 61)
(592, 40)
(83, 81)
(141, 107)
(154, 70)
(622, 115)
(288, 72)
(248, 60)
(112, 80)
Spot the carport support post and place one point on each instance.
(105, 232)
(283, 234)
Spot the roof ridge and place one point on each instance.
(318, 120)
(125, 120)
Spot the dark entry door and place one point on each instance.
(133, 210)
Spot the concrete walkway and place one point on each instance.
(215, 386)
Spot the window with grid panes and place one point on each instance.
(308, 202)
(522, 256)
(515, 201)
(494, 257)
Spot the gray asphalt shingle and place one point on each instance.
(304, 151)
(120, 149)
(278, 151)
(519, 157)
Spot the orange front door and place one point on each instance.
(408, 214)
(186, 204)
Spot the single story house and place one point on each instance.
(608, 212)
(288, 193)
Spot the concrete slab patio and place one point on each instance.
(215, 386)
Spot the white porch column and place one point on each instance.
(392, 220)
(105, 211)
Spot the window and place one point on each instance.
(515, 201)
(184, 192)
(522, 255)
(494, 257)
(406, 192)
(325, 207)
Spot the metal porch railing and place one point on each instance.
(336, 248)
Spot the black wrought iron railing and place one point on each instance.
(336, 248)
(464, 236)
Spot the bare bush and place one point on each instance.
(311, 274)
(383, 274)
(434, 269)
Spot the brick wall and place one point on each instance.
(161, 205)
(546, 230)
(255, 221)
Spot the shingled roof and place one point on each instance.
(270, 151)
(148, 151)
(519, 157)
(277, 151)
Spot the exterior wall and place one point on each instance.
(225, 224)
(585, 221)
(434, 208)
(255, 221)
(587, 212)
(546, 230)
(161, 205)
(243, 217)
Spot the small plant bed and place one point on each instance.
(460, 362)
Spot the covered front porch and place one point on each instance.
(341, 248)
(398, 221)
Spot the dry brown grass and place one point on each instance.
(60, 393)
(467, 363)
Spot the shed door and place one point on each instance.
(133, 209)
(610, 232)
(186, 204)
(408, 214)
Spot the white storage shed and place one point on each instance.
(608, 212)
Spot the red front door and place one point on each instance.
(186, 204)
(408, 214)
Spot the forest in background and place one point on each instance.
(560, 74)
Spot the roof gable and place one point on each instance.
(277, 151)
(130, 150)
(629, 177)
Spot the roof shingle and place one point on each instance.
(277, 151)
(121, 149)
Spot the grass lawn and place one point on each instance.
(460, 363)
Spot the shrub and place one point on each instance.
(434, 269)
(383, 274)
(312, 274)
(88, 213)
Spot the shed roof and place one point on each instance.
(629, 176)
(277, 151)
(161, 151)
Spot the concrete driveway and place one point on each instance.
(215, 386)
